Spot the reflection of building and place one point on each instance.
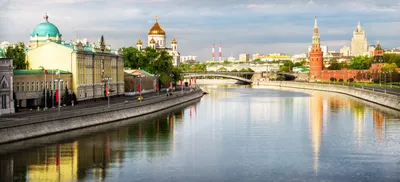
(29, 85)
(316, 124)
(90, 64)
(359, 42)
(379, 124)
(156, 39)
(6, 89)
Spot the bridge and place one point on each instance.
(229, 75)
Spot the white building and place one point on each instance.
(6, 86)
(299, 57)
(345, 51)
(359, 42)
(188, 58)
(157, 39)
(255, 56)
(244, 57)
(231, 59)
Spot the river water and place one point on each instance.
(236, 133)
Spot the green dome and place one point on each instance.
(45, 28)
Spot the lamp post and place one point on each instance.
(380, 78)
(107, 79)
(390, 74)
(385, 80)
(59, 93)
(45, 87)
(52, 87)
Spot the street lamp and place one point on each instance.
(385, 80)
(390, 72)
(59, 93)
(380, 78)
(107, 79)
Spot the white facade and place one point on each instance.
(6, 86)
(188, 58)
(231, 59)
(299, 57)
(244, 57)
(345, 51)
(255, 56)
(267, 67)
(359, 42)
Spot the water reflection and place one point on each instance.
(233, 134)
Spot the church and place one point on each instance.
(157, 39)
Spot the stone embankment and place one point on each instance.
(387, 100)
(95, 116)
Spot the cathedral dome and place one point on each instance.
(156, 29)
(139, 42)
(45, 28)
(152, 41)
(174, 41)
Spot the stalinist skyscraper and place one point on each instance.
(359, 42)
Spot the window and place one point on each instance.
(37, 86)
(33, 85)
(4, 101)
(28, 88)
(23, 87)
(41, 85)
(17, 86)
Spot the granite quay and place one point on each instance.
(15, 128)
(385, 99)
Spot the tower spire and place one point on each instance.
(46, 17)
(358, 27)
(156, 18)
(315, 22)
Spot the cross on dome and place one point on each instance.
(46, 17)
(156, 18)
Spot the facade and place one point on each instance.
(231, 59)
(359, 42)
(258, 68)
(157, 39)
(299, 57)
(90, 64)
(187, 58)
(256, 56)
(29, 85)
(132, 80)
(6, 89)
(276, 57)
(316, 55)
(244, 57)
(345, 51)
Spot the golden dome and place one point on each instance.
(152, 41)
(139, 42)
(156, 29)
(174, 41)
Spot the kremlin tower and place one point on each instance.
(316, 55)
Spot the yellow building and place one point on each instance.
(91, 65)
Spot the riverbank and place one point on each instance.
(15, 129)
(384, 99)
(215, 81)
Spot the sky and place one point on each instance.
(242, 26)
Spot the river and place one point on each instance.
(236, 133)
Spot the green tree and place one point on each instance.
(392, 58)
(234, 70)
(334, 65)
(17, 53)
(250, 70)
(284, 69)
(289, 64)
(360, 62)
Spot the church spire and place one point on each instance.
(358, 27)
(315, 22)
(315, 37)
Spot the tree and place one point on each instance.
(250, 70)
(17, 53)
(284, 69)
(243, 70)
(334, 65)
(289, 64)
(350, 80)
(392, 58)
(333, 79)
(341, 80)
(234, 70)
(222, 69)
(360, 62)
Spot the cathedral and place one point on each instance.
(157, 38)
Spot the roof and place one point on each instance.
(46, 28)
(38, 72)
(138, 72)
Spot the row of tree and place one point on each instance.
(392, 61)
(17, 53)
(153, 61)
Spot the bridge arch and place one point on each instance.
(217, 75)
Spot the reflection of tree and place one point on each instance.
(335, 104)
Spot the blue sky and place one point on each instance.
(243, 26)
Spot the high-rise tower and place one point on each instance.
(316, 55)
(359, 42)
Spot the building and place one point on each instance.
(299, 57)
(244, 57)
(358, 42)
(345, 51)
(323, 48)
(316, 55)
(29, 86)
(188, 58)
(134, 77)
(370, 51)
(6, 89)
(91, 65)
(157, 39)
(231, 59)
(276, 57)
(256, 56)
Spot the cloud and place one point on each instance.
(242, 26)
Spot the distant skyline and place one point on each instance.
(252, 26)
